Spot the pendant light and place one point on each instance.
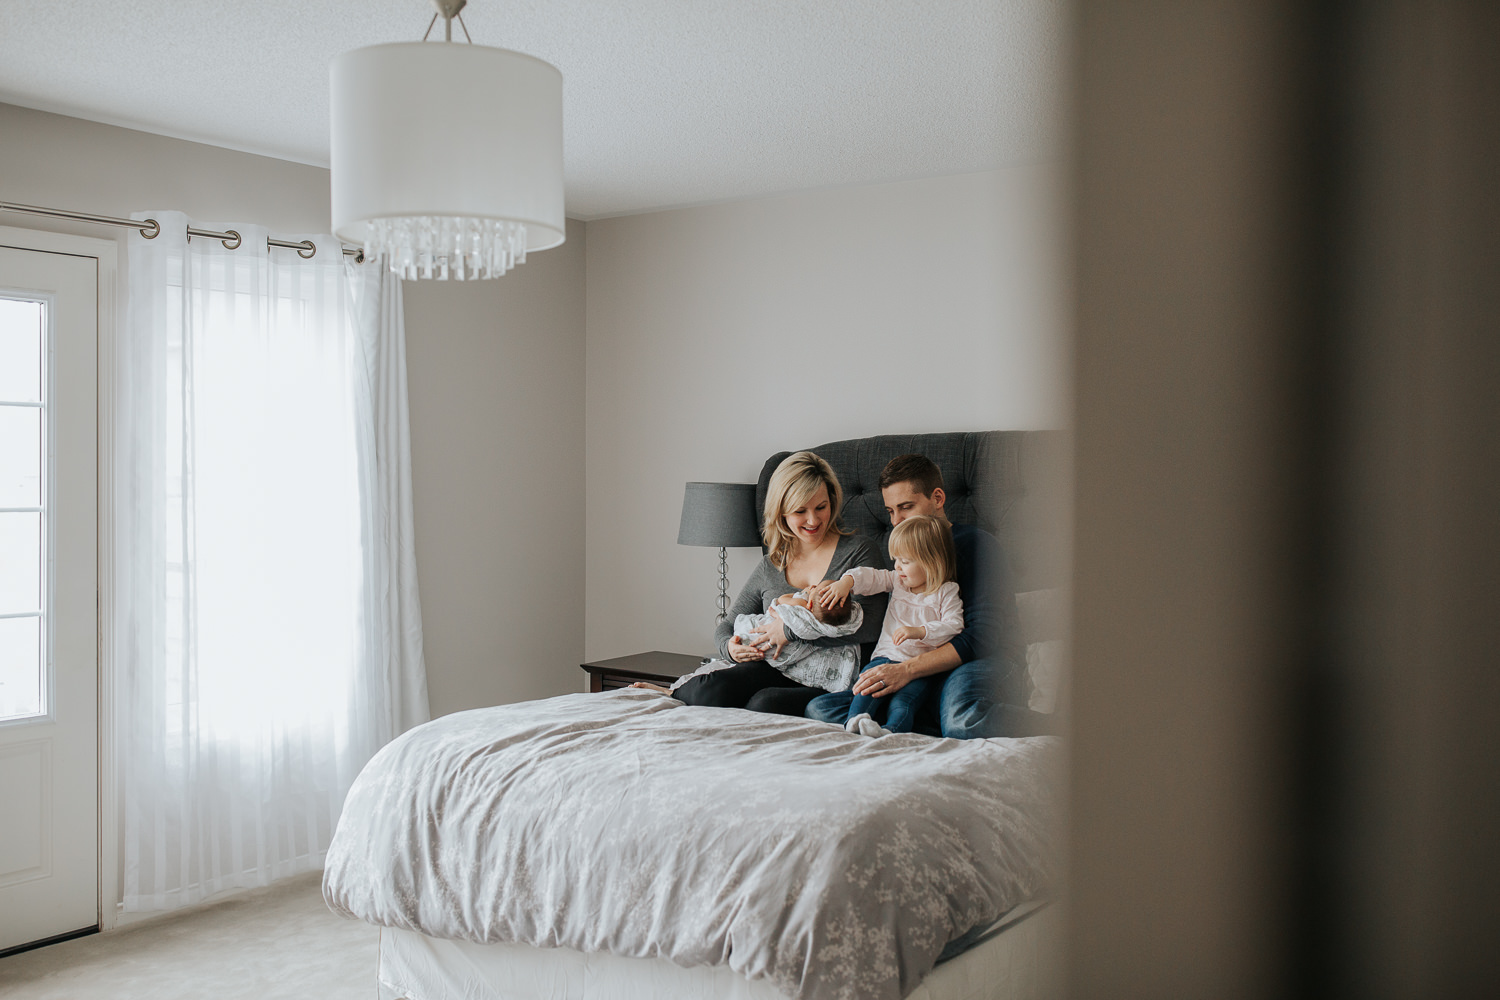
(446, 158)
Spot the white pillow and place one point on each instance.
(1043, 614)
(1046, 663)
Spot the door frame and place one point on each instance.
(106, 253)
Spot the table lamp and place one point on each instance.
(722, 515)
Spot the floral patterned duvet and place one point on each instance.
(831, 864)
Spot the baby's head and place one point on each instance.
(922, 548)
(831, 616)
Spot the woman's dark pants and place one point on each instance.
(755, 685)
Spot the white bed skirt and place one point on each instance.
(1018, 963)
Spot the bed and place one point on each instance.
(623, 845)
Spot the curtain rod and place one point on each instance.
(150, 228)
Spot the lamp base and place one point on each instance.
(723, 584)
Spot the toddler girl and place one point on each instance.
(925, 611)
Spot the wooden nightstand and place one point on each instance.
(656, 667)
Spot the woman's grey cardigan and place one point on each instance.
(767, 583)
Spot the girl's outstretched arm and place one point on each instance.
(869, 580)
(833, 594)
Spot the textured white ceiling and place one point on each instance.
(667, 102)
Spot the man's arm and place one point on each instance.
(934, 661)
(898, 675)
(984, 583)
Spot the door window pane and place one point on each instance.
(20, 456)
(20, 667)
(20, 351)
(20, 562)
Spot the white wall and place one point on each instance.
(496, 388)
(720, 335)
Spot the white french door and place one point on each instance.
(49, 633)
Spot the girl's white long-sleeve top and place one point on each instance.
(940, 612)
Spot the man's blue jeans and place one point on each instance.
(968, 706)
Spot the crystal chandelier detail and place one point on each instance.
(453, 187)
(445, 247)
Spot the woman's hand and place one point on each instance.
(648, 686)
(743, 652)
(883, 680)
(774, 634)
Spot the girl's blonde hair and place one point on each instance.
(792, 485)
(928, 542)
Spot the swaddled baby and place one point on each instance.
(834, 618)
(831, 668)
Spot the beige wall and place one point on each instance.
(496, 387)
(62, 162)
(715, 336)
(502, 616)
(720, 335)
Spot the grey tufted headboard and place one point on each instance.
(1010, 483)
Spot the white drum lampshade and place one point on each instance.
(447, 158)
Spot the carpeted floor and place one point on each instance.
(278, 943)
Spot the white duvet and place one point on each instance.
(830, 864)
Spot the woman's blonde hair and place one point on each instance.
(792, 485)
(928, 542)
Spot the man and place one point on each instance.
(984, 688)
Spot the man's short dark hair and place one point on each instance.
(919, 470)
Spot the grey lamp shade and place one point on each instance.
(719, 514)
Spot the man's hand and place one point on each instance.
(884, 679)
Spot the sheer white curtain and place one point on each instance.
(268, 639)
(392, 614)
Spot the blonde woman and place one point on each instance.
(805, 547)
